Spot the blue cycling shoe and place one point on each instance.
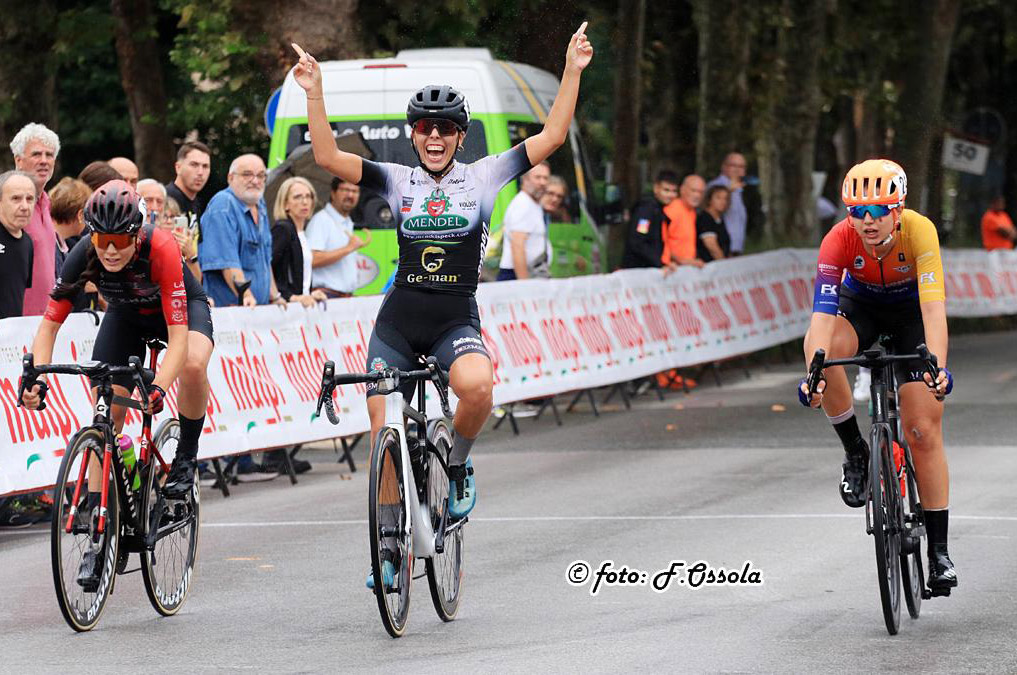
(462, 490)
(387, 575)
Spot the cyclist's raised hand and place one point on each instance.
(307, 72)
(580, 51)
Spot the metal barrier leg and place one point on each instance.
(575, 400)
(593, 403)
(220, 477)
(288, 463)
(347, 453)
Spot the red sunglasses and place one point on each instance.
(445, 127)
(101, 242)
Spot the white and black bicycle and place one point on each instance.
(408, 496)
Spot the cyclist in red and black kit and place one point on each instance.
(152, 295)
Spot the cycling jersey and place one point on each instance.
(911, 270)
(156, 279)
(443, 224)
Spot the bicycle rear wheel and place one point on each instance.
(912, 572)
(82, 605)
(884, 503)
(390, 540)
(444, 570)
(170, 528)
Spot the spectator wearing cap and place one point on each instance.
(126, 168)
(35, 149)
(732, 176)
(998, 231)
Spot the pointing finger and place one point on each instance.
(300, 52)
(582, 29)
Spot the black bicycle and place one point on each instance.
(893, 509)
(131, 515)
(408, 494)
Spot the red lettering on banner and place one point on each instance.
(985, 285)
(296, 378)
(714, 314)
(780, 292)
(250, 383)
(211, 409)
(16, 417)
(1008, 279)
(655, 322)
(627, 329)
(800, 292)
(564, 346)
(523, 346)
(736, 301)
(684, 318)
(592, 332)
(761, 301)
(493, 352)
(24, 425)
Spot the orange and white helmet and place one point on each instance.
(875, 181)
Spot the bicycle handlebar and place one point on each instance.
(94, 370)
(431, 371)
(871, 358)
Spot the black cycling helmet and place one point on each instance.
(439, 102)
(114, 208)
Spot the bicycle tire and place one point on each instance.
(82, 609)
(883, 500)
(444, 570)
(393, 603)
(912, 572)
(168, 567)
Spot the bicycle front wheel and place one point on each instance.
(75, 535)
(170, 530)
(445, 569)
(884, 502)
(390, 540)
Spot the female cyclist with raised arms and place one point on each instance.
(880, 272)
(152, 295)
(444, 209)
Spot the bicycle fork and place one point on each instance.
(418, 524)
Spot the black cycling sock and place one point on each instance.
(849, 433)
(461, 447)
(937, 524)
(190, 432)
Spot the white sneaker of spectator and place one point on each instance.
(862, 381)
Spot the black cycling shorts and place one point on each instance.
(124, 331)
(414, 323)
(902, 321)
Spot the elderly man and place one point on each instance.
(732, 176)
(126, 168)
(680, 244)
(35, 149)
(154, 195)
(331, 240)
(526, 249)
(237, 239)
(17, 203)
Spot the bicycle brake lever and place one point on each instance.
(816, 370)
(929, 361)
(29, 378)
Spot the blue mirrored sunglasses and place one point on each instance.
(875, 210)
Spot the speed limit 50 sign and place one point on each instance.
(962, 155)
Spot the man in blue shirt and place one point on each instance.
(236, 241)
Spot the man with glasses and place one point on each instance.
(237, 239)
(332, 242)
(732, 176)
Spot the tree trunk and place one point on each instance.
(786, 125)
(924, 81)
(141, 75)
(628, 99)
(725, 27)
(27, 70)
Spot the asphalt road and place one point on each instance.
(719, 475)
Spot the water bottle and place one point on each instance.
(126, 445)
(898, 460)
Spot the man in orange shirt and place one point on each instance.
(680, 245)
(997, 228)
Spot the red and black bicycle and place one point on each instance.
(104, 509)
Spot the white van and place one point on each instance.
(508, 102)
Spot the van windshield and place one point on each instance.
(389, 140)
